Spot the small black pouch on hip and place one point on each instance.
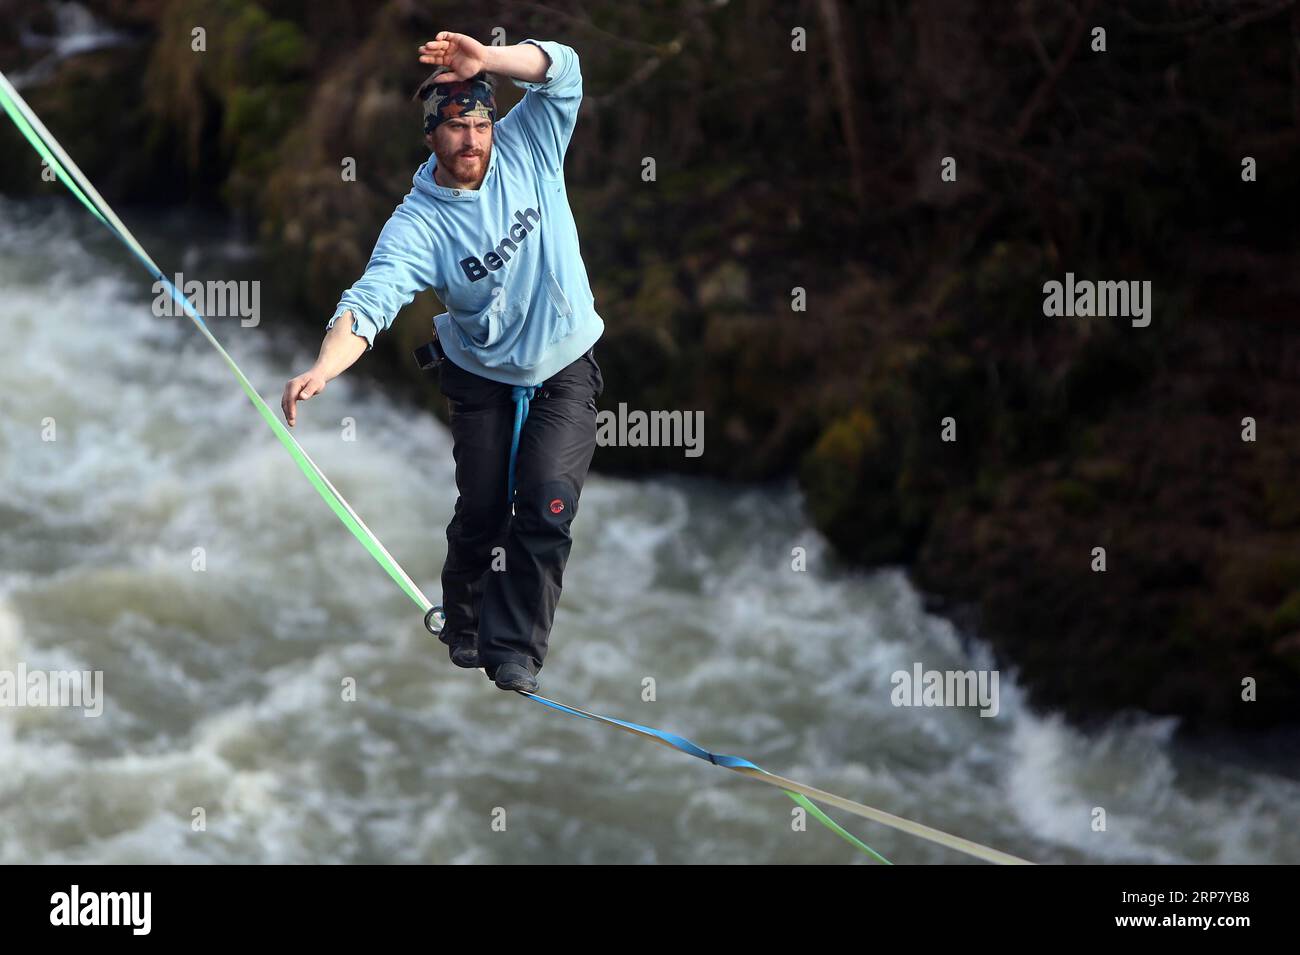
(431, 355)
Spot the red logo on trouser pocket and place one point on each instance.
(557, 506)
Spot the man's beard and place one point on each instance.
(466, 168)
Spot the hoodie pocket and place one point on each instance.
(485, 328)
(564, 311)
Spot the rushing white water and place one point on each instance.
(223, 686)
(76, 30)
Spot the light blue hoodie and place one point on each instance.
(503, 258)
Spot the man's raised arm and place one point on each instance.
(465, 57)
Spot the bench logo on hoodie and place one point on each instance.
(475, 269)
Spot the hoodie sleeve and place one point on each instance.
(401, 265)
(549, 110)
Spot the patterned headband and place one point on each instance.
(444, 101)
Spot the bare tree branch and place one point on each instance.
(830, 16)
(584, 23)
(1040, 97)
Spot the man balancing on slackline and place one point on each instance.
(487, 226)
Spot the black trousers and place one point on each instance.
(504, 573)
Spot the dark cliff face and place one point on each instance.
(779, 170)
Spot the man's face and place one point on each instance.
(463, 147)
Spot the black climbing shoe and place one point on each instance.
(463, 650)
(512, 676)
(464, 653)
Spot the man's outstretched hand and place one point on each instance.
(463, 55)
(305, 386)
